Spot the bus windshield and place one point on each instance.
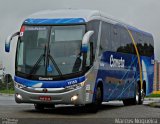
(50, 50)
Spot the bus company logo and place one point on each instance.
(119, 63)
(45, 90)
(47, 79)
(72, 82)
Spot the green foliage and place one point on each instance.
(3, 87)
(154, 95)
(10, 91)
(6, 83)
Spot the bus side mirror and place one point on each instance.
(8, 41)
(85, 41)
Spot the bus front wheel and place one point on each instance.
(41, 107)
(93, 107)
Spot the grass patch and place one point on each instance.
(7, 91)
(153, 96)
(155, 104)
(152, 104)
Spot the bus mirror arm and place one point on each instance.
(8, 41)
(85, 41)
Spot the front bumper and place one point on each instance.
(56, 98)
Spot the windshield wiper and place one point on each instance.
(35, 67)
(54, 63)
(46, 57)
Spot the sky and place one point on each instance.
(142, 14)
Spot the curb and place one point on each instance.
(4, 94)
(155, 104)
(152, 99)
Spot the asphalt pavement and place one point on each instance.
(110, 113)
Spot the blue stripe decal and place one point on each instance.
(54, 21)
(125, 75)
(49, 84)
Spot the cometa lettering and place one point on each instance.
(119, 63)
(47, 79)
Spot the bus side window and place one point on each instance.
(88, 61)
(151, 44)
(105, 44)
(116, 38)
(140, 44)
(94, 25)
(126, 42)
(144, 44)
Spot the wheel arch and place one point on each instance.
(144, 86)
(99, 83)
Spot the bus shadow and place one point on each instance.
(75, 110)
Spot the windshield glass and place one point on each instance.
(50, 50)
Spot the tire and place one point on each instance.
(139, 96)
(98, 99)
(94, 107)
(49, 106)
(137, 100)
(128, 102)
(39, 107)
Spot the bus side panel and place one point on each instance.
(119, 74)
(148, 73)
(90, 84)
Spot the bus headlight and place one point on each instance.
(19, 96)
(75, 86)
(18, 85)
(74, 98)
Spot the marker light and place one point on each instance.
(18, 85)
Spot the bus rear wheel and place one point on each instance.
(137, 100)
(139, 96)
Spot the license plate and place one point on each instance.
(45, 98)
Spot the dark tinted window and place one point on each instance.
(140, 44)
(144, 43)
(148, 46)
(105, 43)
(151, 42)
(151, 45)
(115, 37)
(126, 42)
(94, 25)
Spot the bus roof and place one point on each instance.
(66, 13)
(73, 16)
